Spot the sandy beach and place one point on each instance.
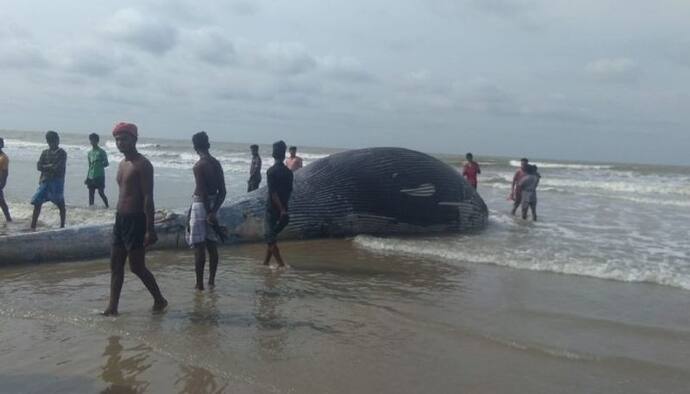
(341, 320)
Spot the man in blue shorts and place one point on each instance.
(51, 185)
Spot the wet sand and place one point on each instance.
(341, 320)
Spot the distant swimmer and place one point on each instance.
(254, 169)
(528, 188)
(203, 230)
(4, 173)
(95, 178)
(279, 179)
(293, 162)
(51, 185)
(470, 170)
(133, 230)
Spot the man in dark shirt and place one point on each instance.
(279, 189)
(51, 185)
(209, 195)
(254, 169)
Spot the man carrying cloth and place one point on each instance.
(133, 230)
(4, 172)
(279, 189)
(51, 185)
(95, 178)
(203, 231)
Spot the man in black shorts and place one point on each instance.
(133, 230)
(279, 189)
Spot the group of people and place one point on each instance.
(523, 190)
(134, 228)
(51, 185)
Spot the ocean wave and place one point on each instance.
(572, 166)
(610, 269)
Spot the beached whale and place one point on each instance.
(377, 191)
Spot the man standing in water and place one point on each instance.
(528, 187)
(95, 178)
(4, 173)
(516, 193)
(133, 230)
(51, 185)
(279, 189)
(293, 162)
(471, 170)
(209, 195)
(254, 169)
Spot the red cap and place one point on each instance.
(124, 127)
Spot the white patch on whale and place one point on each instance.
(423, 190)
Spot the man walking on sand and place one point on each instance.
(279, 179)
(4, 173)
(95, 178)
(254, 169)
(293, 162)
(209, 195)
(470, 170)
(51, 185)
(134, 229)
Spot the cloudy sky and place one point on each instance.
(560, 79)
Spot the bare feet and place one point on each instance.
(211, 285)
(110, 311)
(159, 306)
(199, 287)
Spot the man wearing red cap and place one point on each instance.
(133, 230)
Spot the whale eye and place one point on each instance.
(424, 190)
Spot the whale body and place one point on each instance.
(375, 191)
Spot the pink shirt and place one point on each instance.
(293, 164)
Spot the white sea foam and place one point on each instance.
(612, 268)
(572, 166)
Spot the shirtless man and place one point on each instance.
(133, 230)
(293, 162)
(209, 195)
(515, 191)
(4, 172)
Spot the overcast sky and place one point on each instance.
(584, 79)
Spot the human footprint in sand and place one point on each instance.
(133, 230)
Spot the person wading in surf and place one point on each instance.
(95, 178)
(203, 231)
(134, 229)
(528, 192)
(470, 170)
(4, 173)
(279, 189)
(51, 164)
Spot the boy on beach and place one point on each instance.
(470, 170)
(51, 184)
(209, 195)
(279, 189)
(133, 230)
(95, 178)
(4, 173)
(293, 162)
(254, 169)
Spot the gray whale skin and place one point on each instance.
(377, 191)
